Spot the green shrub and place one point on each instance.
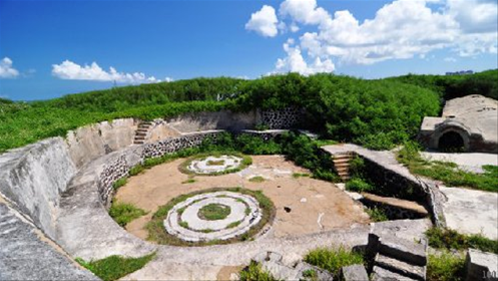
(445, 267)
(443, 238)
(115, 267)
(359, 185)
(254, 272)
(333, 259)
(376, 214)
(123, 213)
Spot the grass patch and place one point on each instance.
(443, 238)
(214, 212)
(323, 142)
(234, 224)
(215, 163)
(300, 175)
(158, 234)
(119, 183)
(257, 179)
(246, 161)
(123, 213)
(448, 172)
(190, 180)
(183, 224)
(333, 259)
(310, 274)
(445, 267)
(376, 214)
(254, 272)
(115, 267)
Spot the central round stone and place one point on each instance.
(213, 212)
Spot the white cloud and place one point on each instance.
(69, 70)
(303, 11)
(401, 29)
(264, 22)
(294, 62)
(6, 69)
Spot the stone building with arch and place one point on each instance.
(468, 124)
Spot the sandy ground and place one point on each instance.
(315, 205)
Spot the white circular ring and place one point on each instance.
(197, 232)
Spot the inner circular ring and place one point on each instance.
(190, 215)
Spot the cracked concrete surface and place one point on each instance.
(471, 211)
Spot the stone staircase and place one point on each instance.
(395, 258)
(341, 164)
(142, 132)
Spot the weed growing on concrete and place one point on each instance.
(443, 238)
(448, 172)
(445, 267)
(333, 259)
(115, 267)
(254, 272)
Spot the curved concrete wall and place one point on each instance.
(33, 177)
(91, 142)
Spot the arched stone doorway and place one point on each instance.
(451, 142)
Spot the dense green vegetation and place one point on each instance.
(447, 172)
(484, 83)
(115, 267)
(445, 267)
(123, 213)
(375, 113)
(443, 238)
(333, 259)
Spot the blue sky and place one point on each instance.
(47, 47)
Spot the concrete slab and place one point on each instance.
(472, 162)
(471, 211)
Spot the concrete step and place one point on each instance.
(138, 142)
(342, 168)
(341, 160)
(398, 248)
(409, 270)
(382, 274)
(342, 156)
(141, 133)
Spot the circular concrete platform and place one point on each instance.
(184, 222)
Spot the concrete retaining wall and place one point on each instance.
(91, 142)
(33, 177)
(384, 170)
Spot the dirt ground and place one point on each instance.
(315, 205)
